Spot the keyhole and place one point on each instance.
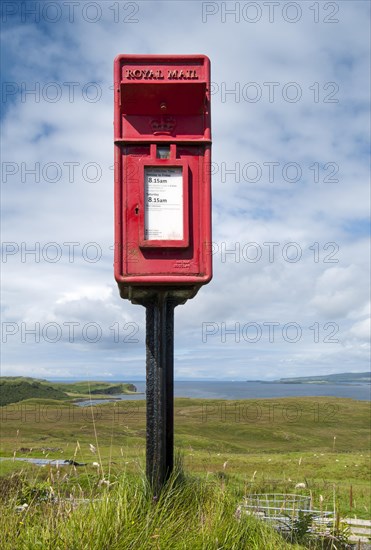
(137, 210)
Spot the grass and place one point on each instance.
(229, 448)
(190, 513)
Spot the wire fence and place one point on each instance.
(284, 511)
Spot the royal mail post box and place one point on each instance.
(162, 135)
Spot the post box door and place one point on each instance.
(149, 246)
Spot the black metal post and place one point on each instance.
(160, 388)
(160, 304)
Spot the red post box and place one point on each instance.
(162, 136)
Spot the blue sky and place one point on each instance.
(291, 194)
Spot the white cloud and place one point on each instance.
(90, 292)
(339, 291)
(362, 330)
(323, 222)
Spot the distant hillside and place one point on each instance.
(15, 390)
(94, 388)
(23, 379)
(342, 378)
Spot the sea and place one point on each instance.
(251, 390)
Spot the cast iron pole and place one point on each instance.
(160, 304)
(160, 388)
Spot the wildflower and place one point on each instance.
(21, 508)
(104, 482)
(237, 513)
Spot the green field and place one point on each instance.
(243, 447)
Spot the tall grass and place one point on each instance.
(189, 513)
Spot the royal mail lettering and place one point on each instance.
(145, 74)
(159, 74)
(189, 74)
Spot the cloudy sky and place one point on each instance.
(290, 293)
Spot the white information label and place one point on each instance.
(163, 196)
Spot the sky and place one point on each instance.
(290, 295)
